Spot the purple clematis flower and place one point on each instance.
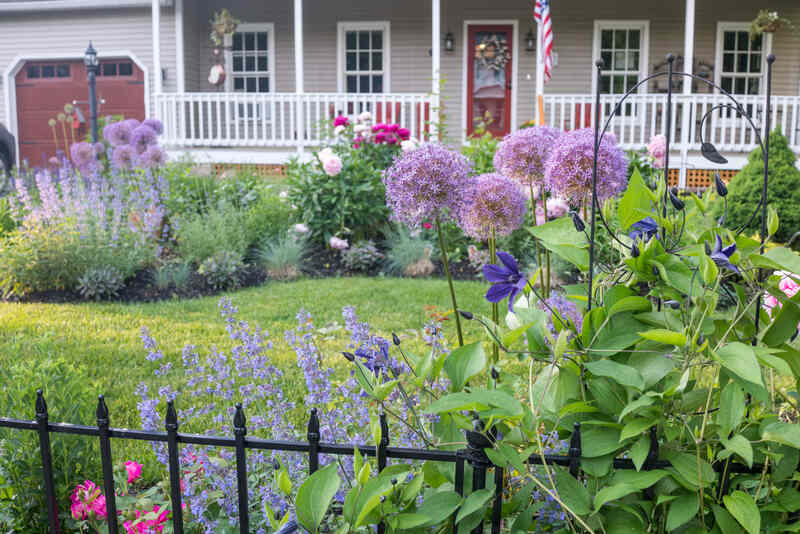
(644, 229)
(721, 255)
(506, 279)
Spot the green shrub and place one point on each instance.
(223, 270)
(406, 254)
(362, 256)
(783, 193)
(7, 220)
(175, 274)
(480, 148)
(282, 257)
(100, 282)
(222, 228)
(268, 217)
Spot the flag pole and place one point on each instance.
(539, 74)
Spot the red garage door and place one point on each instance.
(43, 87)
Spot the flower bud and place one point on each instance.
(722, 189)
(349, 356)
(677, 203)
(794, 336)
(635, 249)
(466, 315)
(394, 482)
(395, 339)
(700, 339)
(674, 304)
(276, 465)
(707, 248)
(495, 373)
(577, 221)
(655, 270)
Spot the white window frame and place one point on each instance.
(269, 27)
(342, 29)
(722, 27)
(644, 46)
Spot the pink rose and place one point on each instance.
(341, 120)
(134, 470)
(657, 149)
(148, 526)
(332, 165)
(391, 139)
(338, 244)
(86, 499)
(357, 142)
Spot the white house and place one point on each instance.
(432, 65)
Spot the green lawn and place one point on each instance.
(102, 341)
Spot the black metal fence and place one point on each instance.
(473, 454)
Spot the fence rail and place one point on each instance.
(278, 119)
(473, 455)
(644, 115)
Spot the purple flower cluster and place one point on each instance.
(135, 144)
(522, 155)
(566, 309)
(496, 206)
(427, 184)
(568, 171)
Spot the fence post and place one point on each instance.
(652, 458)
(476, 443)
(313, 441)
(380, 455)
(47, 462)
(497, 509)
(171, 425)
(107, 462)
(575, 450)
(240, 430)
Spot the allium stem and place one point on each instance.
(536, 240)
(546, 288)
(495, 309)
(449, 282)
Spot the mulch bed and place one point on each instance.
(320, 263)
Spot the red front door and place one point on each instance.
(489, 77)
(44, 87)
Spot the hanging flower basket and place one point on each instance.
(222, 24)
(767, 22)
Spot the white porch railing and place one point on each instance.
(278, 119)
(644, 115)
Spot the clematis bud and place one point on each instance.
(577, 221)
(707, 248)
(394, 482)
(655, 270)
(674, 304)
(722, 189)
(395, 339)
(794, 336)
(349, 356)
(700, 340)
(635, 249)
(495, 373)
(276, 465)
(677, 203)
(466, 315)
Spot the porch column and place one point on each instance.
(436, 56)
(539, 75)
(156, 20)
(179, 50)
(299, 74)
(688, 66)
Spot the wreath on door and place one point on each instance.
(492, 52)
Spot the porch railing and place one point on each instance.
(278, 119)
(644, 115)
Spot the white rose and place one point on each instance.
(339, 130)
(360, 128)
(408, 145)
(325, 154)
(365, 116)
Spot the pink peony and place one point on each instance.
(87, 500)
(392, 128)
(787, 285)
(148, 526)
(404, 133)
(380, 137)
(657, 149)
(134, 470)
(341, 120)
(332, 165)
(338, 244)
(556, 207)
(357, 142)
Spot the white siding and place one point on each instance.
(69, 32)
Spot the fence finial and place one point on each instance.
(171, 421)
(102, 409)
(41, 404)
(313, 425)
(575, 449)
(239, 420)
(384, 430)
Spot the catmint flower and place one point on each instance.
(522, 155)
(426, 184)
(568, 171)
(494, 203)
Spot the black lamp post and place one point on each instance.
(92, 67)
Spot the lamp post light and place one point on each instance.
(92, 67)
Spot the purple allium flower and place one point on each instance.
(568, 171)
(119, 133)
(495, 202)
(154, 124)
(131, 123)
(427, 184)
(99, 149)
(82, 153)
(506, 279)
(153, 156)
(142, 137)
(123, 157)
(522, 155)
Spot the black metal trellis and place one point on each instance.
(473, 454)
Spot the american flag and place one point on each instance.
(541, 13)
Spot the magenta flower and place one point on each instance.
(341, 120)
(494, 202)
(87, 501)
(378, 127)
(133, 470)
(148, 526)
(380, 137)
(142, 137)
(506, 279)
(568, 170)
(404, 134)
(154, 124)
(426, 184)
(123, 157)
(522, 155)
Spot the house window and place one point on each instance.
(623, 47)
(364, 57)
(741, 59)
(251, 59)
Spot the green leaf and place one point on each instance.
(639, 452)
(785, 258)
(315, 496)
(724, 520)
(284, 482)
(784, 325)
(635, 203)
(784, 433)
(599, 441)
(641, 402)
(408, 521)
(572, 492)
(464, 363)
(652, 366)
(685, 465)
(731, 408)
(740, 445)
(479, 399)
(636, 427)
(639, 480)
(744, 509)
(681, 510)
(708, 269)
(667, 337)
(382, 391)
(474, 502)
(622, 374)
(612, 493)
(560, 231)
(439, 506)
(772, 221)
(630, 304)
(740, 359)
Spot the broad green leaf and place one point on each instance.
(635, 203)
(667, 337)
(785, 258)
(474, 502)
(652, 366)
(622, 374)
(725, 520)
(740, 445)
(630, 304)
(382, 391)
(784, 433)
(612, 493)
(784, 325)
(639, 452)
(708, 268)
(439, 506)
(408, 521)
(740, 360)
(772, 221)
(636, 427)
(576, 255)
(685, 465)
(284, 482)
(464, 363)
(744, 510)
(560, 231)
(315, 496)
(522, 524)
(681, 510)
(599, 441)
(479, 399)
(731, 408)
(639, 480)
(641, 402)
(572, 492)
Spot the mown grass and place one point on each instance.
(102, 340)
